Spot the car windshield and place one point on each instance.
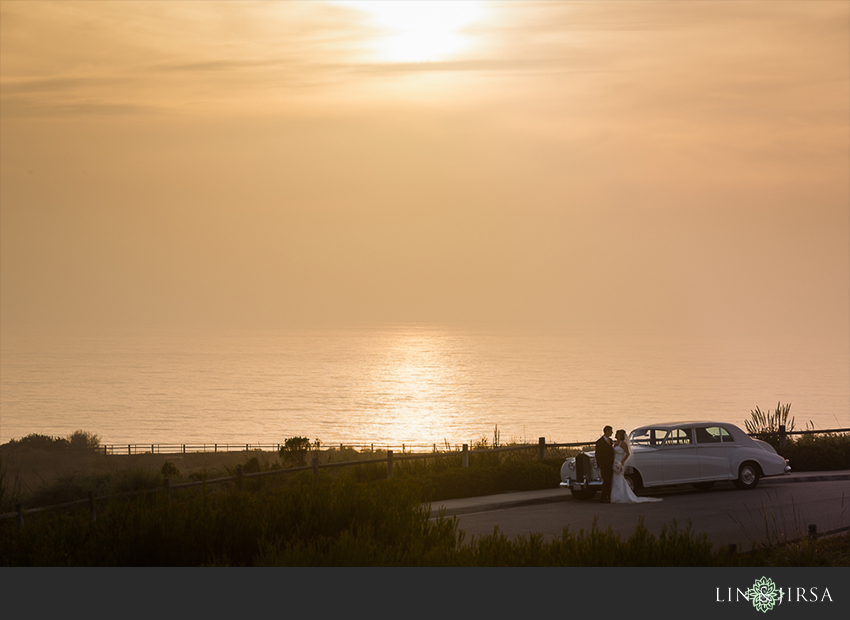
(648, 436)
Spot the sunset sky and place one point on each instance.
(570, 165)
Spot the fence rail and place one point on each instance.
(541, 446)
(390, 459)
(186, 448)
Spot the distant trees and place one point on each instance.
(78, 440)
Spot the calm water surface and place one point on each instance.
(413, 384)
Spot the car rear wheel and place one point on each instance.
(703, 486)
(583, 494)
(748, 476)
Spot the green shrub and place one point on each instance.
(252, 466)
(36, 441)
(83, 440)
(293, 452)
(828, 452)
(169, 470)
(70, 488)
(77, 440)
(137, 479)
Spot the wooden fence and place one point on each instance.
(184, 448)
(390, 459)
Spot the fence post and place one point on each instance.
(389, 463)
(128, 450)
(19, 508)
(92, 506)
(781, 436)
(216, 448)
(239, 477)
(315, 465)
(184, 448)
(465, 459)
(541, 450)
(813, 530)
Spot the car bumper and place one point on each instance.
(575, 484)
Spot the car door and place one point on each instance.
(646, 458)
(712, 452)
(679, 459)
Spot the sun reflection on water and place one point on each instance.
(414, 389)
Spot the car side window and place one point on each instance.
(727, 438)
(679, 437)
(708, 434)
(647, 436)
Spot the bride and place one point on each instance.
(621, 492)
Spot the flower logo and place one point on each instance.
(764, 594)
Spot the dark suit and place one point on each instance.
(605, 462)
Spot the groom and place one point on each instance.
(605, 462)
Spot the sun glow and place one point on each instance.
(418, 31)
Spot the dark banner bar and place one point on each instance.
(681, 593)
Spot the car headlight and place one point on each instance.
(571, 465)
(593, 463)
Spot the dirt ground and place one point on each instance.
(37, 468)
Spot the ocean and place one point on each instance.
(417, 385)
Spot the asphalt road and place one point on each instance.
(726, 514)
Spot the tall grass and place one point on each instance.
(767, 422)
(10, 487)
(334, 520)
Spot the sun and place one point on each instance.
(420, 31)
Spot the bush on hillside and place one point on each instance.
(827, 452)
(83, 440)
(37, 441)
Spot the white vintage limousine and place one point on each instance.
(697, 453)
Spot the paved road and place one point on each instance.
(775, 509)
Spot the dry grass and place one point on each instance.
(39, 468)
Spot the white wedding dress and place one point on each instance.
(621, 492)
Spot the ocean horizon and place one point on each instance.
(414, 384)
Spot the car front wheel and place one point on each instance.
(748, 476)
(583, 494)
